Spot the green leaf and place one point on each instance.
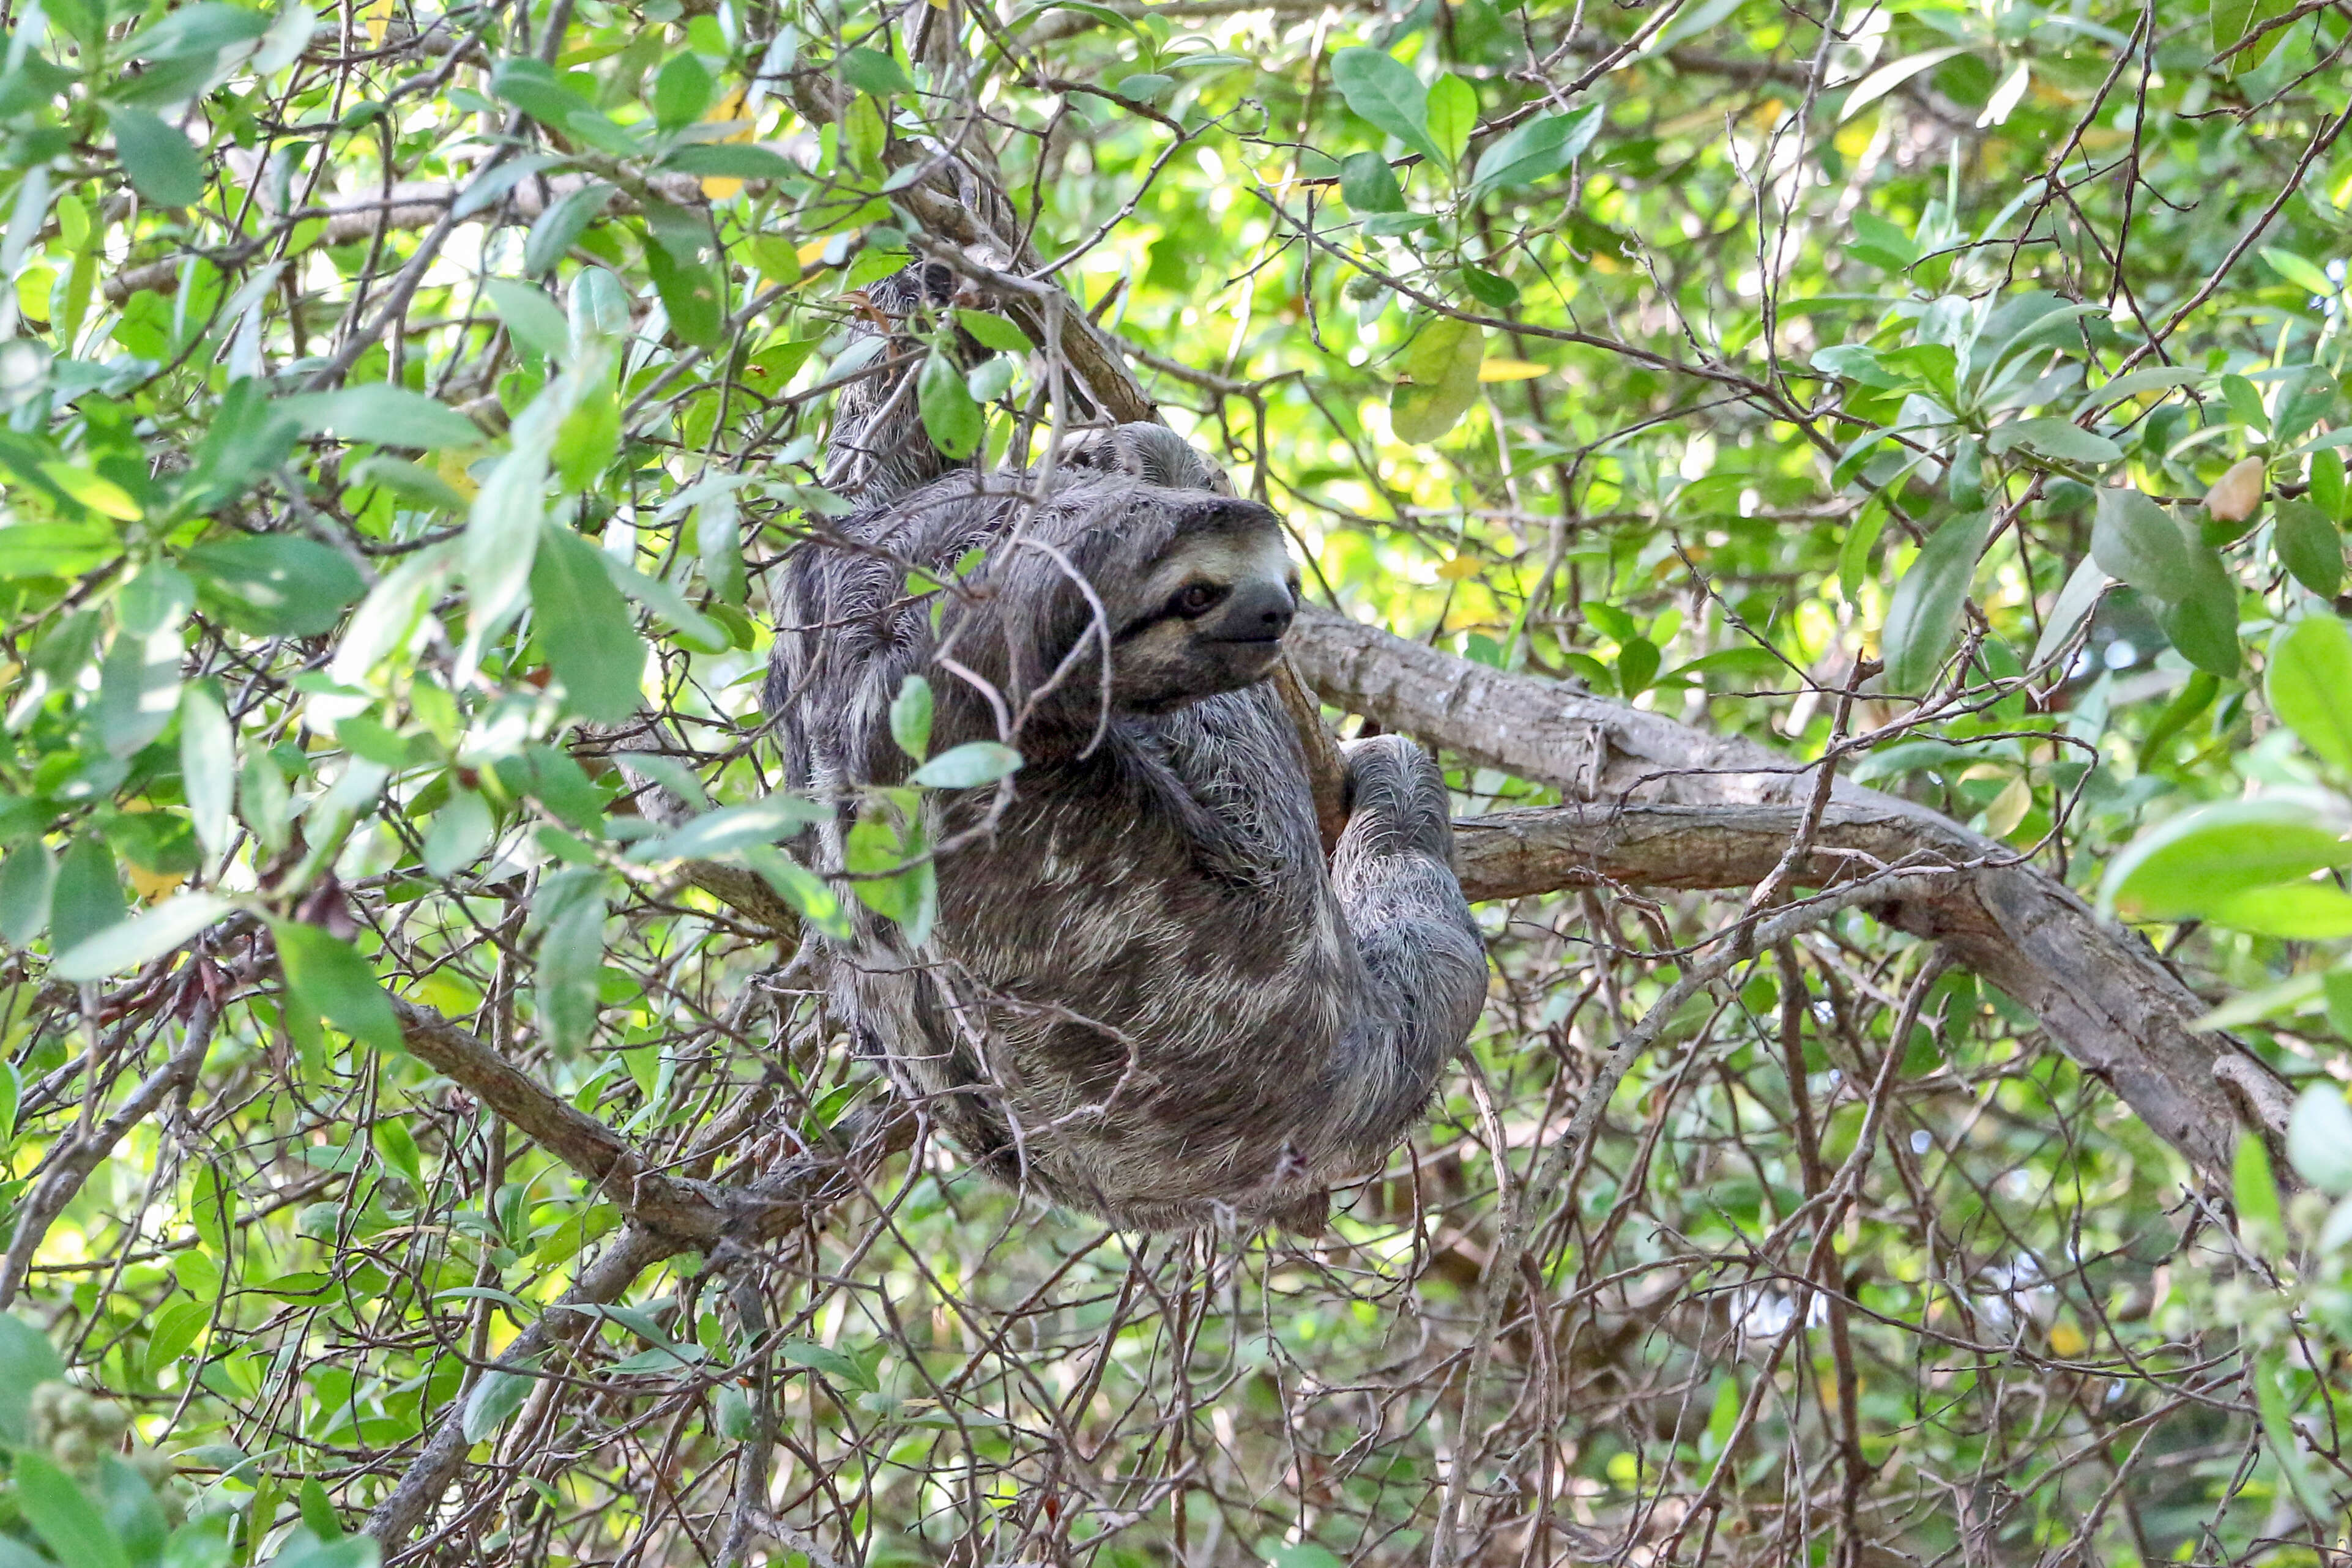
(1368, 186)
(251, 435)
(950, 418)
(2327, 489)
(719, 537)
(1384, 92)
(1443, 364)
(1853, 553)
(584, 624)
(1923, 616)
(494, 1401)
(1535, 150)
(88, 897)
(806, 892)
(318, 1512)
(570, 912)
(2085, 588)
(263, 801)
(26, 877)
(994, 332)
(175, 1331)
(729, 828)
(536, 88)
(909, 895)
(2203, 622)
(327, 977)
(2304, 397)
(2178, 868)
(730, 160)
(731, 1416)
(2251, 1184)
(138, 690)
(164, 165)
(27, 1361)
(690, 625)
(461, 831)
(2319, 1139)
(1453, 115)
(683, 88)
(694, 293)
(277, 585)
(208, 766)
(2308, 546)
(2231, 20)
(1887, 78)
(533, 321)
(2058, 438)
(870, 71)
(55, 549)
(2245, 404)
(825, 1360)
(2279, 1429)
(2309, 685)
(968, 765)
(130, 942)
(910, 718)
(561, 224)
(2299, 272)
(550, 775)
(1305, 1554)
(394, 1143)
(2136, 542)
(412, 485)
(1494, 292)
(383, 415)
(2292, 911)
(65, 1521)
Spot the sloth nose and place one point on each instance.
(1257, 612)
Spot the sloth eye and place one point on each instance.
(1197, 598)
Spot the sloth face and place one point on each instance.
(1208, 614)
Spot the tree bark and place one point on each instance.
(1668, 805)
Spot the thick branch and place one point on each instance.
(1690, 809)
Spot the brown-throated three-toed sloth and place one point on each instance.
(1144, 996)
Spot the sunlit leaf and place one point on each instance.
(2176, 871)
(1924, 617)
(2309, 684)
(1384, 91)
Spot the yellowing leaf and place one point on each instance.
(1460, 567)
(451, 467)
(151, 885)
(1510, 371)
(2236, 494)
(378, 17)
(100, 494)
(2008, 809)
(1442, 381)
(719, 187)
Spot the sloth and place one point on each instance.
(1145, 996)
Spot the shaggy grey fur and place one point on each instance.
(1145, 996)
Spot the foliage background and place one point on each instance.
(398, 400)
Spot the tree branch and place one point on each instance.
(1690, 809)
(72, 1168)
